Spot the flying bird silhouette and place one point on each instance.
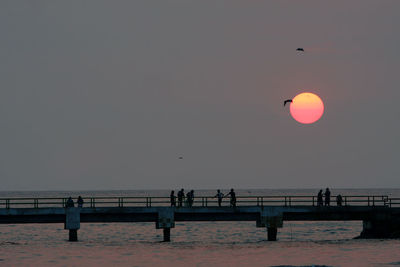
(300, 49)
(288, 100)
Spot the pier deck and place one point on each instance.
(380, 214)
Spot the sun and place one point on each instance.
(306, 108)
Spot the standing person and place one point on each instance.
(70, 203)
(189, 198)
(219, 195)
(339, 200)
(80, 202)
(319, 198)
(172, 198)
(181, 195)
(232, 194)
(327, 197)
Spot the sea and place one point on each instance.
(323, 243)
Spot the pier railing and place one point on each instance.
(200, 201)
(394, 202)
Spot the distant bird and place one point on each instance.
(300, 49)
(288, 100)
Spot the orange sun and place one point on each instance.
(306, 108)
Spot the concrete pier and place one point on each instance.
(166, 221)
(72, 222)
(381, 221)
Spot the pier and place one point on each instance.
(380, 214)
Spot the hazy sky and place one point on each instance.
(109, 94)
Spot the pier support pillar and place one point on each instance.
(272, 219)
(73, 235)
(389, 228)
(166, 221)
(272, 233)
(167, 234)
(72, 222)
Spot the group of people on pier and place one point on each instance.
(190, 198)
(231, 194)
(181, 198)
(327, 195)
(70, 202)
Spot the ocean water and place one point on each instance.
(195, 243)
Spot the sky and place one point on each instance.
(99, 95)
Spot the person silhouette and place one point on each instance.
(172, 198)
(319, 198)
(327, 197)
(189, 198)
(70, 203)
(339, 200)
(80, 202)
(232, 194)
(181, 196)
(219, 195)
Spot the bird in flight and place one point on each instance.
(300, 49)
(286, 101)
